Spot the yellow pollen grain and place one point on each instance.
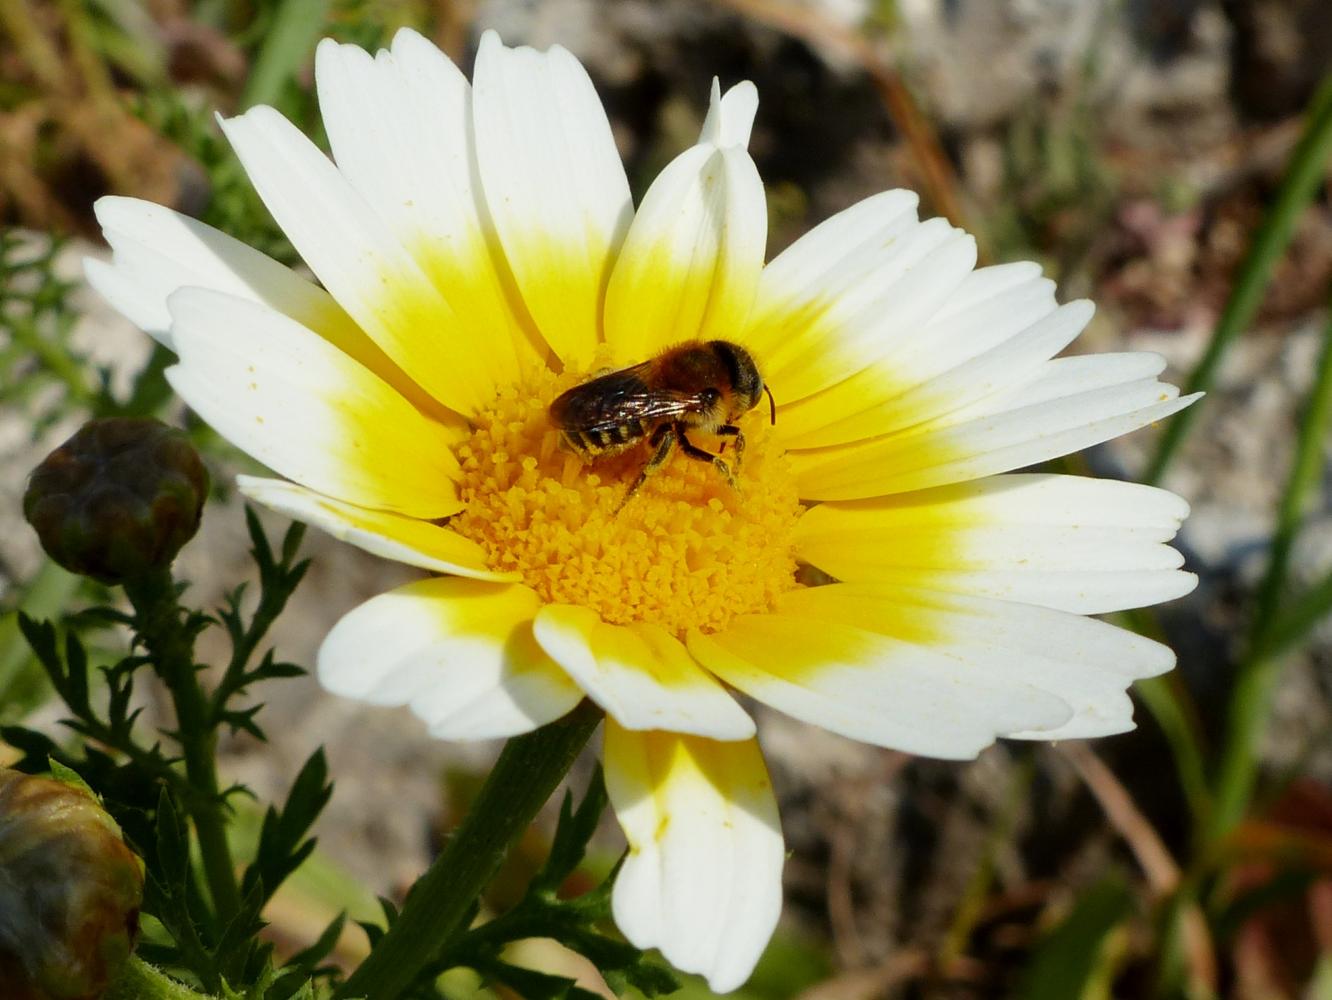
(686, 551)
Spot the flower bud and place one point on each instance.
(118, 499)
(70, 891)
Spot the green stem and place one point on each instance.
(137, 980)
(1251, 700)
(1304, 176)
(440, 902)
(159, 622)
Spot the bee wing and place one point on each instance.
(661, 404)
(620, 397)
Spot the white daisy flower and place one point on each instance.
(478, 254)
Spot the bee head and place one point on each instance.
(746, 382)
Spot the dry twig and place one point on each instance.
(1163, 874)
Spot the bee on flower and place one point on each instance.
(475, 387)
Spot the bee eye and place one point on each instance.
(711, 396)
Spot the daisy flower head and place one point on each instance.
(478, 258)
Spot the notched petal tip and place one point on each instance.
(730, 118)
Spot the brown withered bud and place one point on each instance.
(118, 499)
(70, 891)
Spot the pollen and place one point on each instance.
(686, 551)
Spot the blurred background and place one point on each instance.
(1167, 159)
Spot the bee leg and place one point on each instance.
(694, 451)
(664, 440)
(730, 430)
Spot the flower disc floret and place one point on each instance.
(686, 551)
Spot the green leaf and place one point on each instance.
(173, 845)
(306, 962)
(76, 674)
(68, 776)
(291, 542)
(1068, 963)
(572, 834)
(22, 682)
(41, 639)
(173, 896)
(1297, 619)
(282, 844)
(36, 747)
(532, 985)
(236, 951)
(259, 547)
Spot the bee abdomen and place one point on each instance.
(605, 439)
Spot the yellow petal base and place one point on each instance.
(687, 550)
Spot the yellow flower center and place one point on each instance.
(686, 551)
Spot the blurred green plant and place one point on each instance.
(42, 372)
(1221, 796)
(231, 203)
(1270, 630)
(1076, 957)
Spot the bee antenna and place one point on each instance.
(772, 403)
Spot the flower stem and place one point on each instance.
(440, 902)
(159, 622)
(137, 980)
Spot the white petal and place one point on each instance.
(306, 410)
(158, 251)
(1081, 545)
(1077, 404)
(460, 652)
(827, 312)
(852, 233)
(703, 878)
(362, 264)
(1086, 663)
(891, 690)
(943, 387)
(640, 674)
(404, 539)
(400, 127)
(137, 301)
(554, 186)
(690, 265)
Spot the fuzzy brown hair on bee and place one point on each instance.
(703, 385)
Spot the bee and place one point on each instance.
(702, 385)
